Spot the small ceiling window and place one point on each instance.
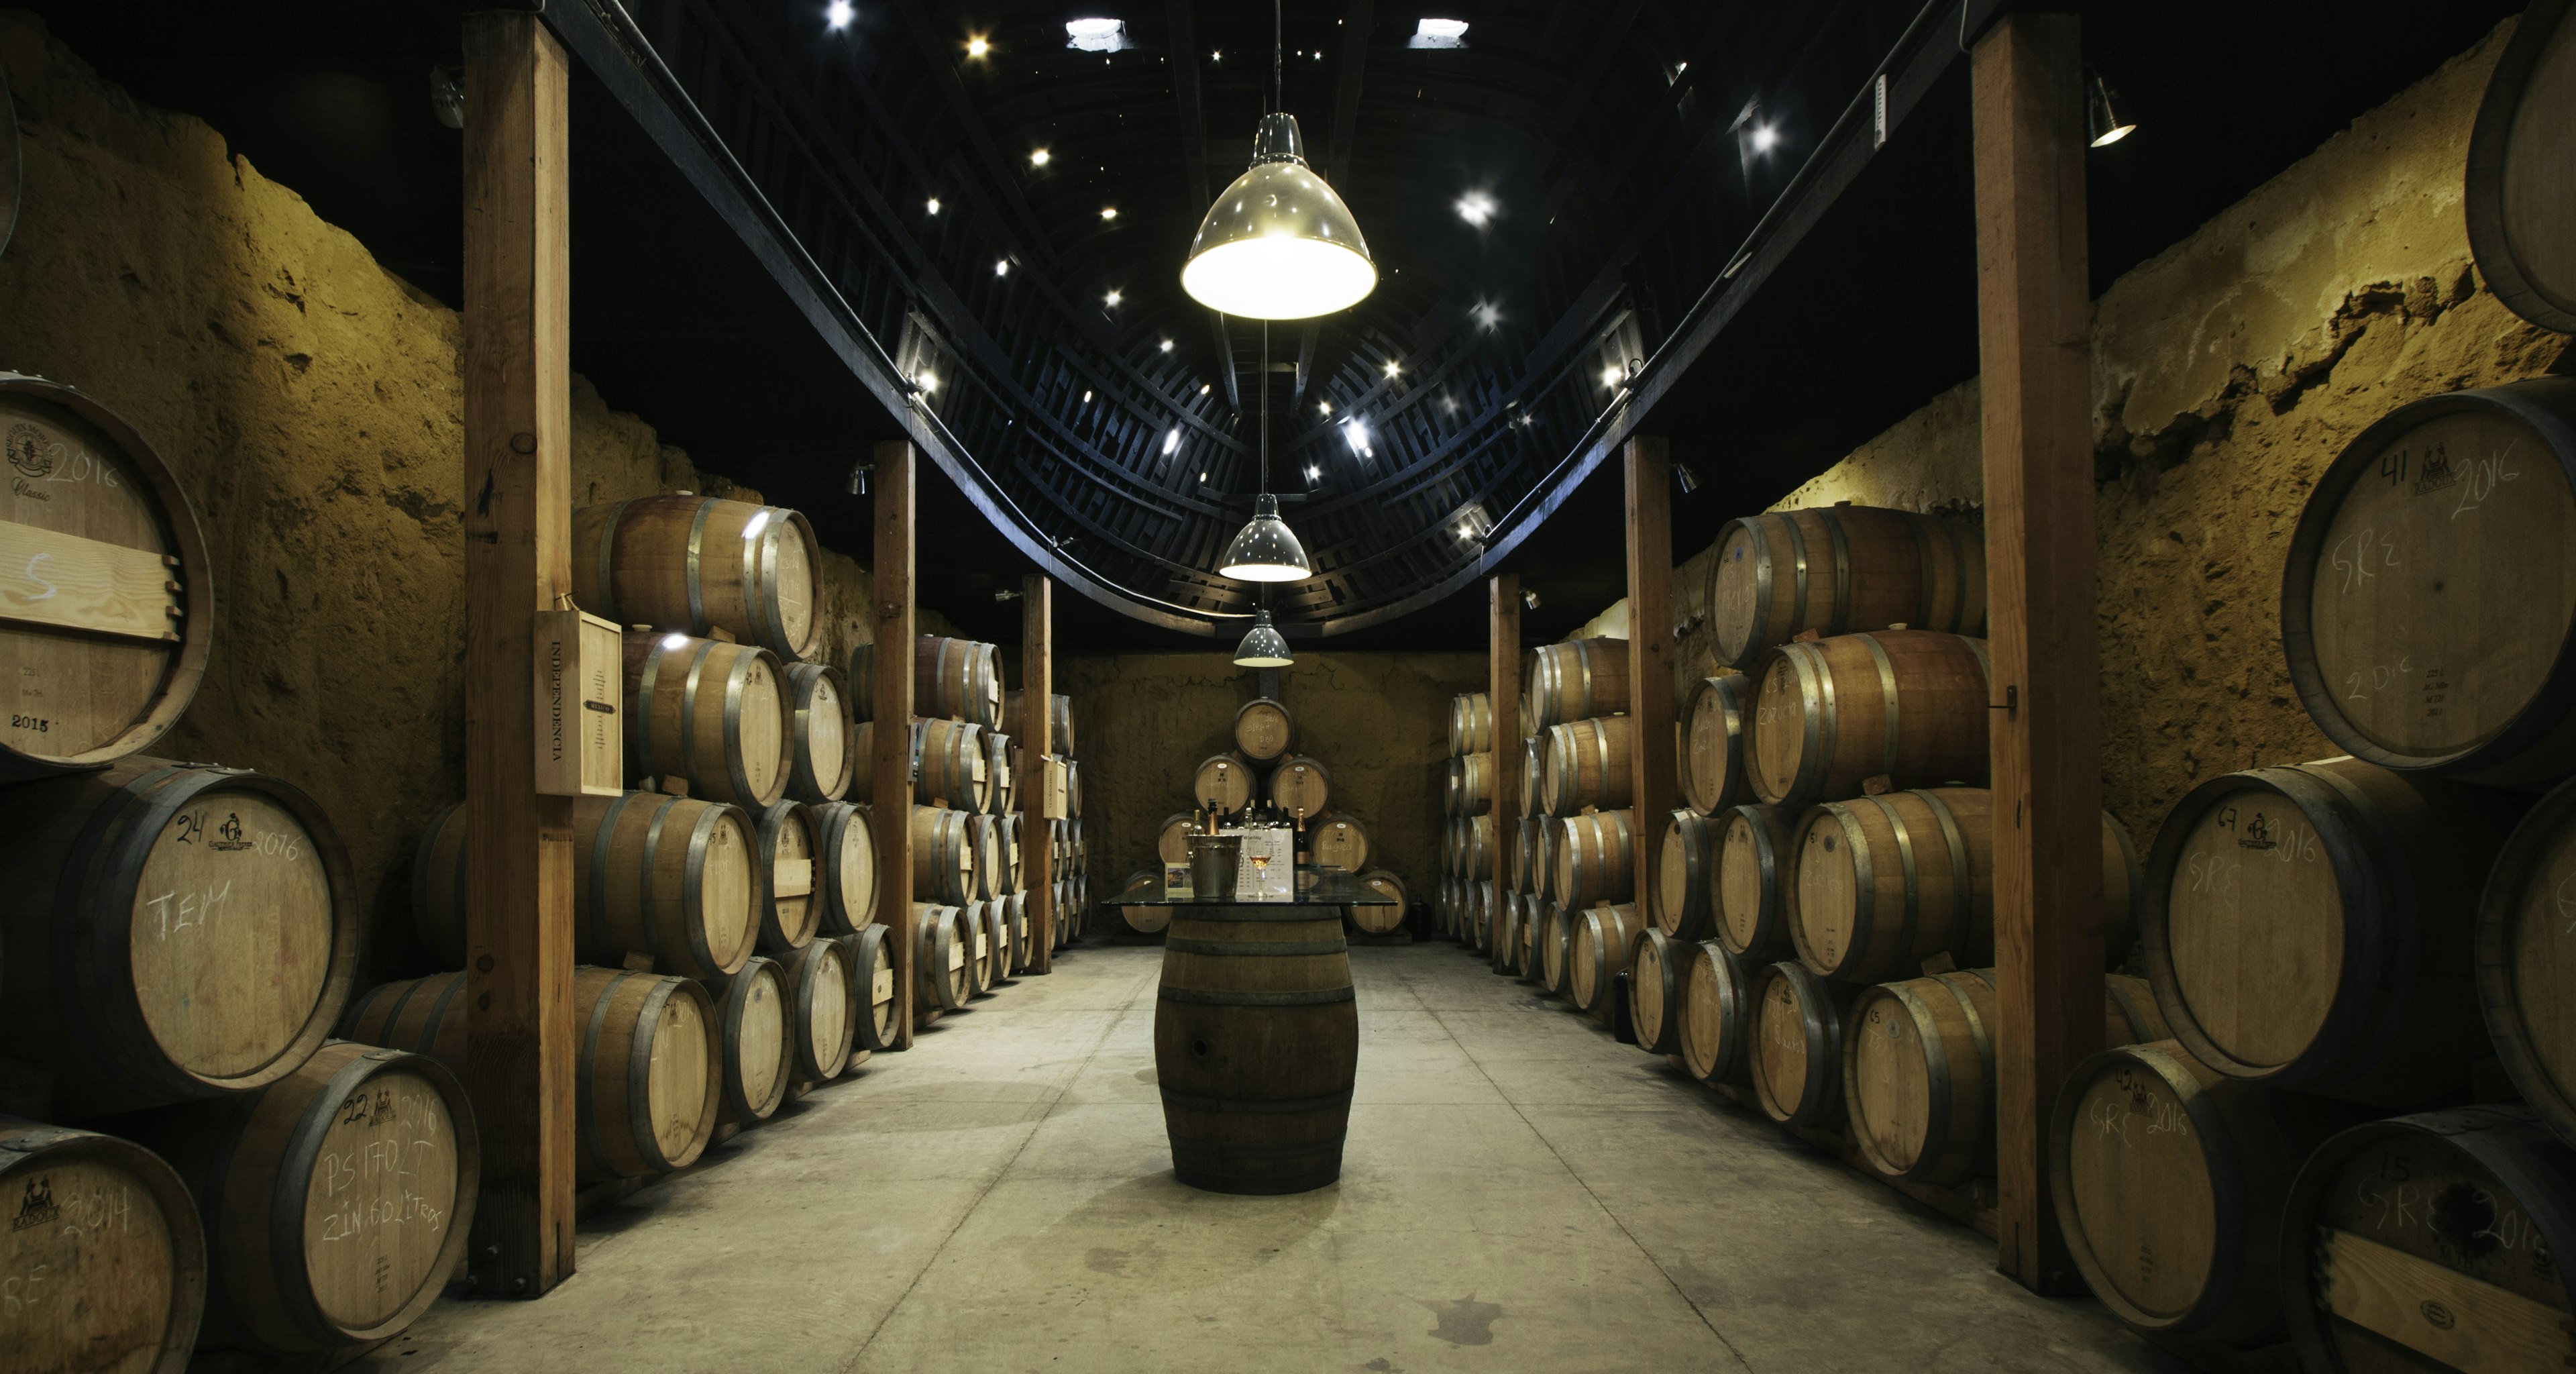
(1439, 33)
(1095, 35)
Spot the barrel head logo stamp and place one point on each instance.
(2438, 472)
(36, 1207)
(27, 450)
(2258, 834)
(229, 836)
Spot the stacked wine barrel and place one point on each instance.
(1473, 819)
(1069, 880)
(181, 938)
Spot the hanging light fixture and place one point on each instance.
(1278, 245)
(1265, 549)
(1262, 646)
(2104, 126)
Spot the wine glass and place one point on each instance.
(1260, 880)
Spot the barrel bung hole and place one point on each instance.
(1199, 1048)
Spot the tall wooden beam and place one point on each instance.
(1503, 695)
(518, 538)
(2026, 78)
(1037, 741)
(1649, 467)
(890, 742)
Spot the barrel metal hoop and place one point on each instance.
(1256, 948)
(1888, 698)
(1926, 611)
(1913, 928)
(1864, 929)
(1798, 575)
(598, 885)
(1823, 728)
(1842, 572)
(1985, 663)
(760, 582)
(1583, 658)
(689, 685)
(737, 762)
(639, 714)
(607, 585)
(1984, 1040)
(1204, 997)
(698, 622)
(585, 1079)
(2374, 943)
(303, 1308)
(1601, 752)
(652, 847)
(1824, 1045)
(639, 1076)
(437, 1015)
(693, 892)
(1936, 1072)
(1758, 634)
(1257, 1106)
(393, 1013)
(1963, 887)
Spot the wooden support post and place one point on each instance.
(1037, 740)
(891, 708)
(1649, 466)
(1503, 695)
(2026, 76)
(518, 539)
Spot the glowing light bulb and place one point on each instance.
(838, 15)
(977, 47)
(1039, 157)
(934, 205)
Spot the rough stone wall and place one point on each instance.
(310, 403)
(1379, 722)
(2228, 372)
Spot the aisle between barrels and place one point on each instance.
(1520, 1192)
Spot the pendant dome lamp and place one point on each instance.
(1279, 244)
(1263, 646)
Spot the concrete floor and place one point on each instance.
(1520, 1193)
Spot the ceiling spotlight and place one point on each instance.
(838, 15)
(1216, 56)
(1530, 599)
(1086, 398)
(1111, 299)
(1392, 369)
(1476, 208)
(977, 47)
(1203, 388)
(1108, 212)
(1039, 157)
(1765, 138)
(1167, 345)
(1439, 33)
(1324, 406)
(1001, 267)
(1095, 35)
(1689, 479)
(928, 381)
(1613, 375)
(1357, 436)
(1171, 441)
(2105, 127)
(1313, 472)
(1489, 314)
(934, 205)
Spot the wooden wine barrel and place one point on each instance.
(943, 856)
(1469, 789)
(784, 849)
(1023, 938)
(2459, 1216)
(846, 855)
(988, 876)
(1476, 847)
(2526, 959)
(1909, 705)
(1655, 991)
(677, 880)
(1504, 937)
(1716, 1016)
(822, 1009)
(1471, 724)
(1172, 839)
(1073, 788)
(114, 1234)
(713, 713)
(336, 1201)
(877, 1012)
(1797, 1045)
(2313, 927)
(820, 762)
(2519, 152)
(1145, 920)
(1263, 730)
(1525, 852)
(1687, 876)
(1543, 873)
(1341, 842)
(2169, 1180)
(1840, 569)
(1756, 867)
(755, 1041)
(1576, 680)
(1301, 786)
(1590, 763)
(701, 563)
(1378, 920)
(1538, 922)
(1002, 789)
(105, 671)
(1556, 948)
(1886, 882)
(1533, 773)
(952, 679)
(1256, 1046)
(1484, 907)
(173, 931)
(950, 767)
(939, 958)
(997, 929)
(1712, 719)
(1224, 782)
(2428, 609)
(1596, 859)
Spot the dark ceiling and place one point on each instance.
(1624, 183)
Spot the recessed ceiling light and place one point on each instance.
(1324, 406)
(1001, 267)
(1109, 212)
(1171, 441)
(934, 205)
(1217, 56)
(929, 380)
(1489, 314)
(1203, 388)
(1476, 208)
(1313, 472)
(1111, 299)
(1439, 33)
(1039, 157)
(1357, 436)
(1095, 35)
(1613, 375)
(1167, 345)
(1765, 138)
(1086, 398)
(838, 14)
(977, 47)
(1392, 369)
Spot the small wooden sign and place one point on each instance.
(1053, 789)
(580, 749)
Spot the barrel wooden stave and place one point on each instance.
(940, 959)
(1468, 788)
(755, 1040)
(1263, 730)
(1379, 920)
(136, 1288)
(791, 910)
(1599, 954)
(1340, 842)
(1224, 782)
(671, 878)
(1596, 859)
(716, 714)
(1821, 723)
(1756, 868)
(1256, 1048)
(1590, 763)
(943, 855)
(174, 931)
(1655, 994)
(1573, 681)
(701, 563)
(1687, 876)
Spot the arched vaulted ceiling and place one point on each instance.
(1626, 149)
